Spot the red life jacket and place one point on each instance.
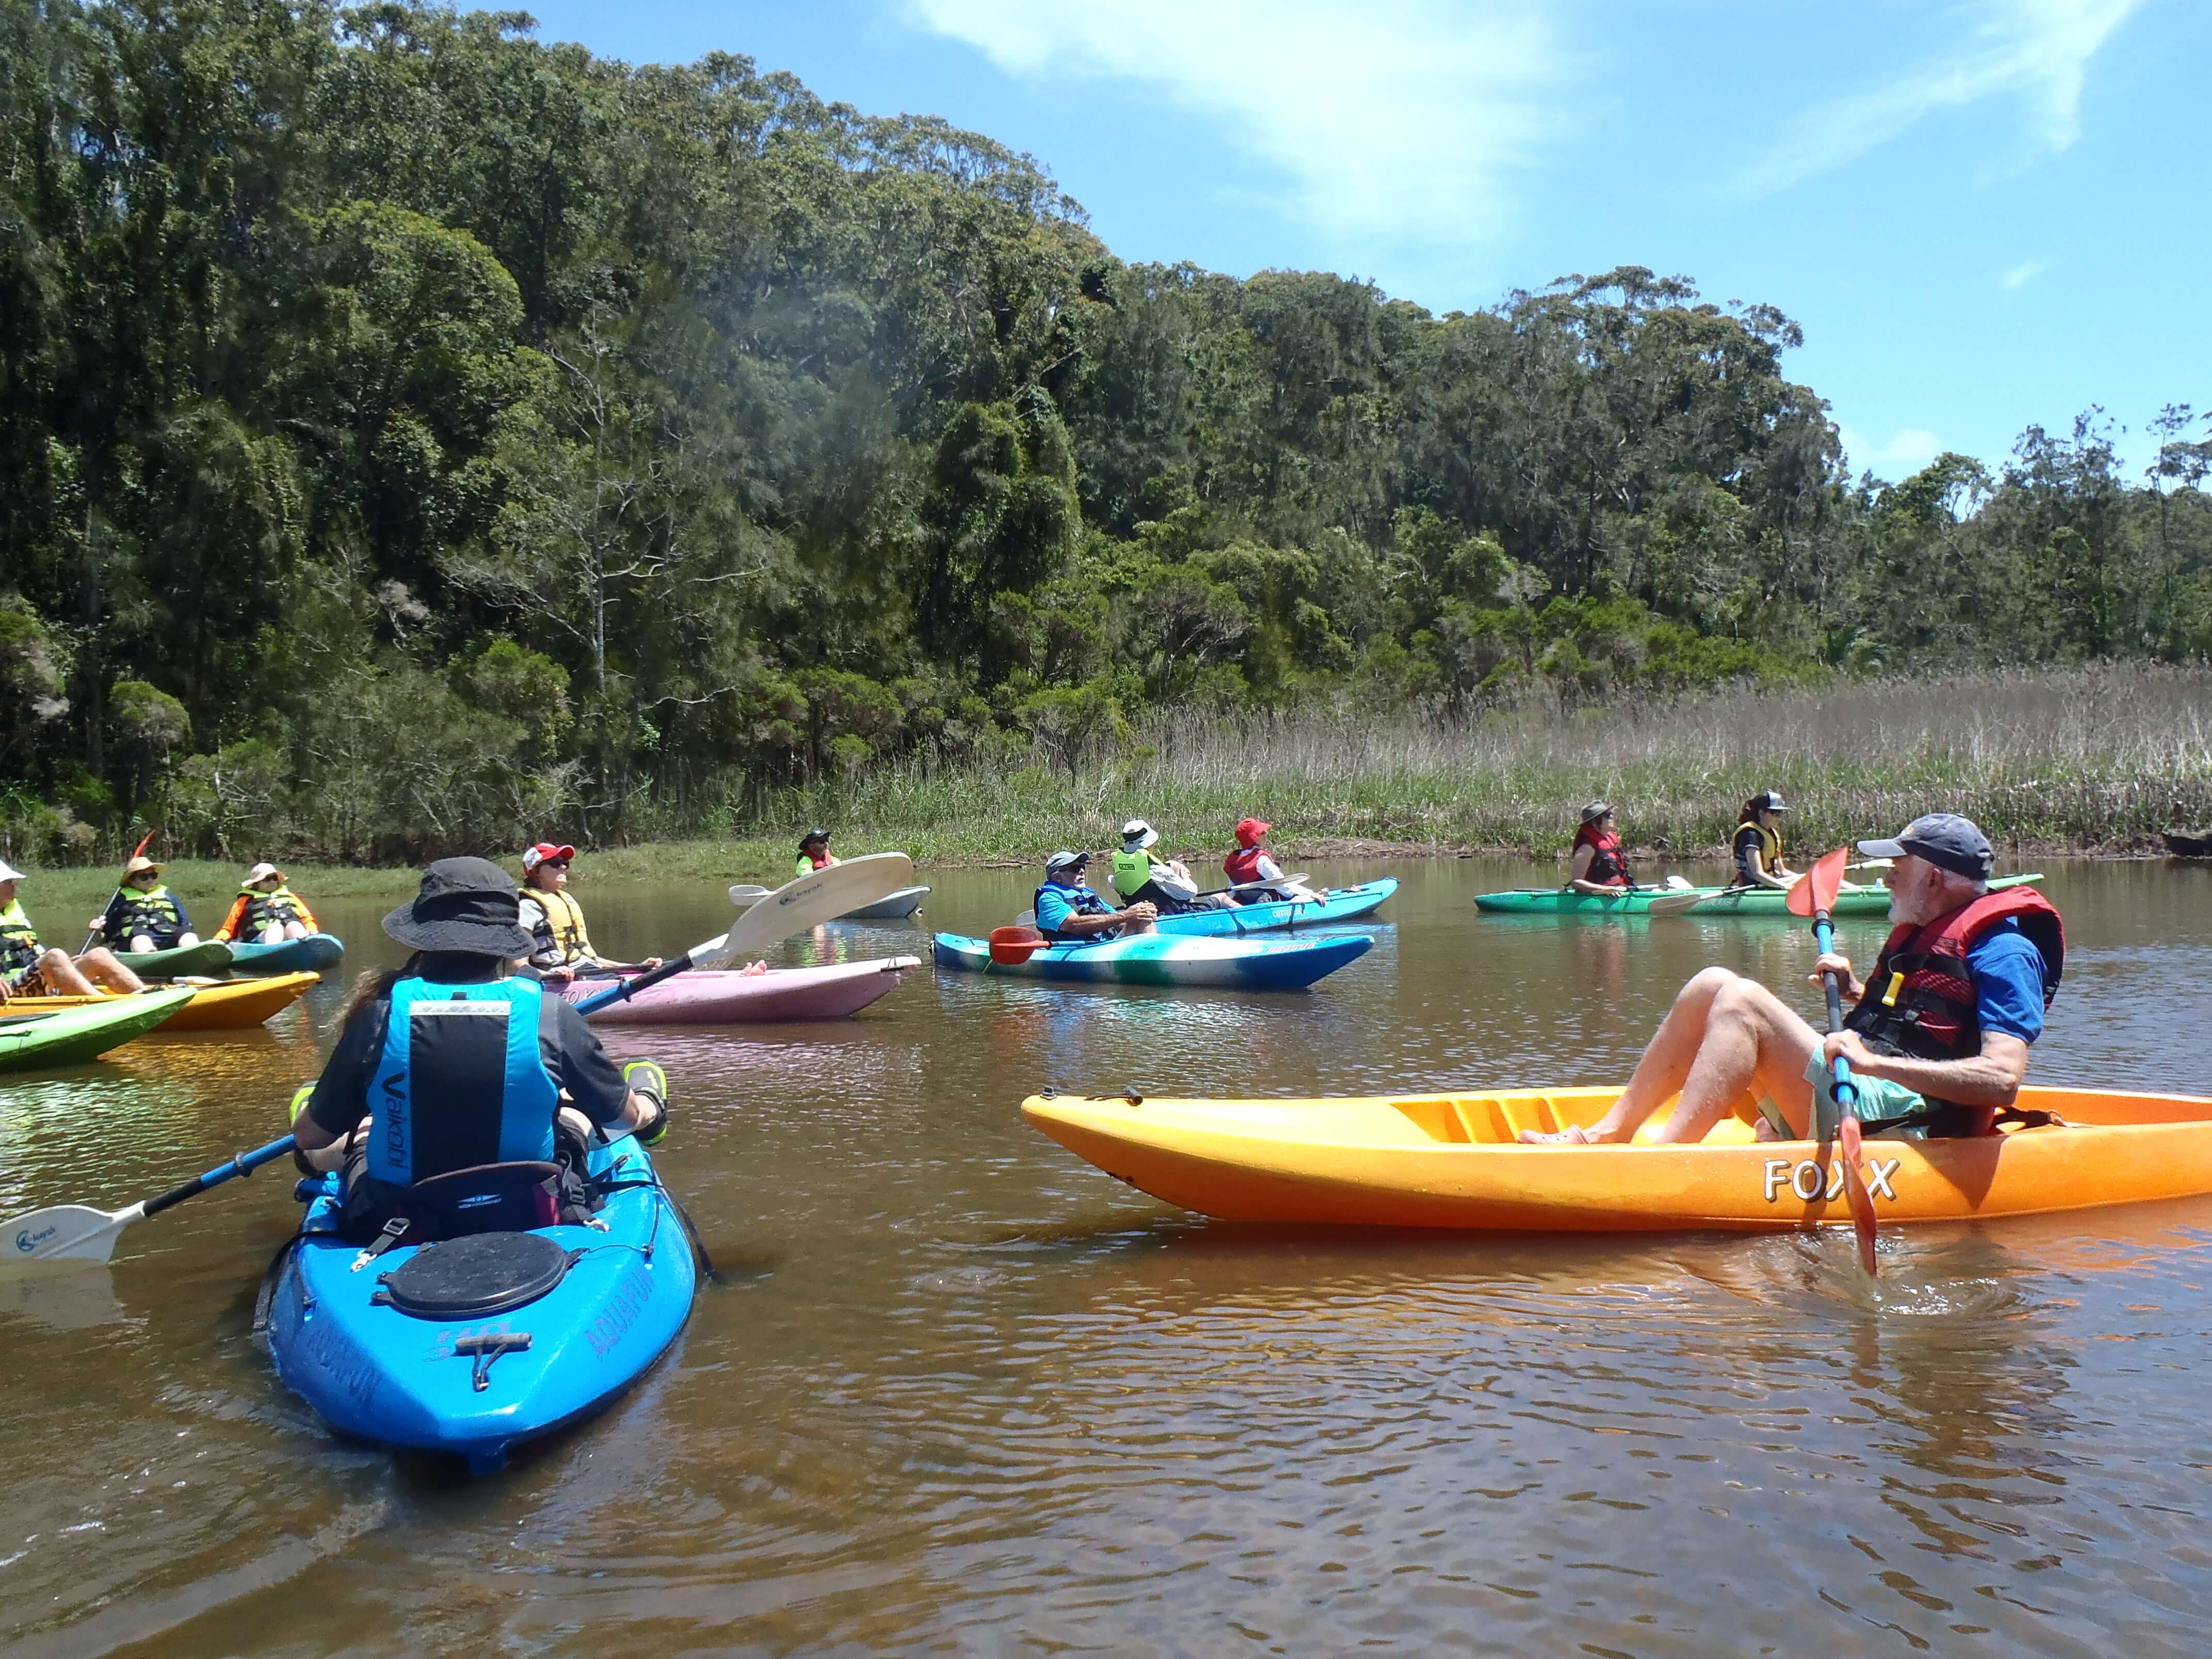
(1608, 865)
(1920, 999)
(1243, 864)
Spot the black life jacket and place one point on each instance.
(1919, 999)
(153, 913)
(1608, 865)
(263, 908)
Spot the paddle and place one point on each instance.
(1012, 946)
(1812, 896)
(805, 902)
(73, 1233)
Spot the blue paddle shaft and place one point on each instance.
(1847, 1093)
(244, 1163)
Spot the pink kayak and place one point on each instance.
(726, 997)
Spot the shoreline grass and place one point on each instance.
(2089, 761)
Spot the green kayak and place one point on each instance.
(31, 1041)
(1872, 900)
(210, 957)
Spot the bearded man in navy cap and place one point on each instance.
(1937, 1037)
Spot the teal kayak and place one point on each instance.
(474, 1345)
(32, 1040)
(1337, 904)
(210, 957)
(310, 955)
(1872, 900)
(1276, 964)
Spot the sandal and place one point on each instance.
(1573, 1135)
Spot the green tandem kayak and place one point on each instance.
(1853, 901)
(212, 956)
(31, 1041)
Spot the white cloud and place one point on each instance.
(1909, 449)
(2022, 273)
(2036, 49)
(1382, 115)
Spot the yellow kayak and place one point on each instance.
(1452, 1161)
(232, 1005)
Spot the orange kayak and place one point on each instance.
(232, 1005)
(1452, 1161)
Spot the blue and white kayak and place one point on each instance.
(477, 1344)
(1274, 964)
(310, 955)
(1337, 904)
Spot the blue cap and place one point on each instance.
(1945, 840)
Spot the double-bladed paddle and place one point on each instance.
(78, 1234)
(803, 903)
(1812, 896)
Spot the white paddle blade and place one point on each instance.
(64, 1234)
(819, 896)
(744, 895)
(1027, 919)
(1677, 884)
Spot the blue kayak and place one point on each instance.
(295, 956)
(1278, 964)
(1337, 904)
(477, 1343)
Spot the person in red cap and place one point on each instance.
(1253, 869)
(559, 947)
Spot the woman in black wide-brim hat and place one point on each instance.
(453, 1062)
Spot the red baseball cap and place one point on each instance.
(545, 853)
(1249, 830)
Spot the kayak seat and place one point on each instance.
(485, 1198)
(474, 1277)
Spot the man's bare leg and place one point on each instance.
(102, 965)
(60, 976)
(1723, 1034)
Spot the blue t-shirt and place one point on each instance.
(1056, 903)
(2009, 973)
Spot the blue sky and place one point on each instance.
(1984, 213)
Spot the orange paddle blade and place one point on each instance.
(1818, 890)
(1015, 945)
(1851, 1145)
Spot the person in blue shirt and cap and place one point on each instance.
(1937, 1037)
(1068, 909)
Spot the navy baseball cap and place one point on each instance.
(1945, 840)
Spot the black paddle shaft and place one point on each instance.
(629, 988)
(244, 1163)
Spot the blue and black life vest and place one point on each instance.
(153, 913)
(1089, 904)
(461, 1081)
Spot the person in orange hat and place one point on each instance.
(559, 947)
(1253, 869)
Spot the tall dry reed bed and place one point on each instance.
(2097, 757)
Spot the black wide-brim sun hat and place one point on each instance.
(469, 905)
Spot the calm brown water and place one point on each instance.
(963, 1393)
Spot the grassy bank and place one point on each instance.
(2093, 760)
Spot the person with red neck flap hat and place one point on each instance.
(1253, 869)
(560, 948)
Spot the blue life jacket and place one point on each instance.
(1080, 901)
(460, 1082)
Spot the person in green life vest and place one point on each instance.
(266, 910)
(29, 969)
(1759, 844)
(814, 853)
(1137, 875)
(144, 916)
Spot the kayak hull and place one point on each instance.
(208, 957)
(1339, 904)
(1449, 1160)
(1853, 901)
(717, 997)
(34, 1038)
(232, 1005)
(1285, 964)
(892, 907)
(295, 956)
(384, 1376)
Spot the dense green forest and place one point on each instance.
(412, 433)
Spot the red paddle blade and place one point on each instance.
(1015, 945)
(1822, 883)
(1851, 1145)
